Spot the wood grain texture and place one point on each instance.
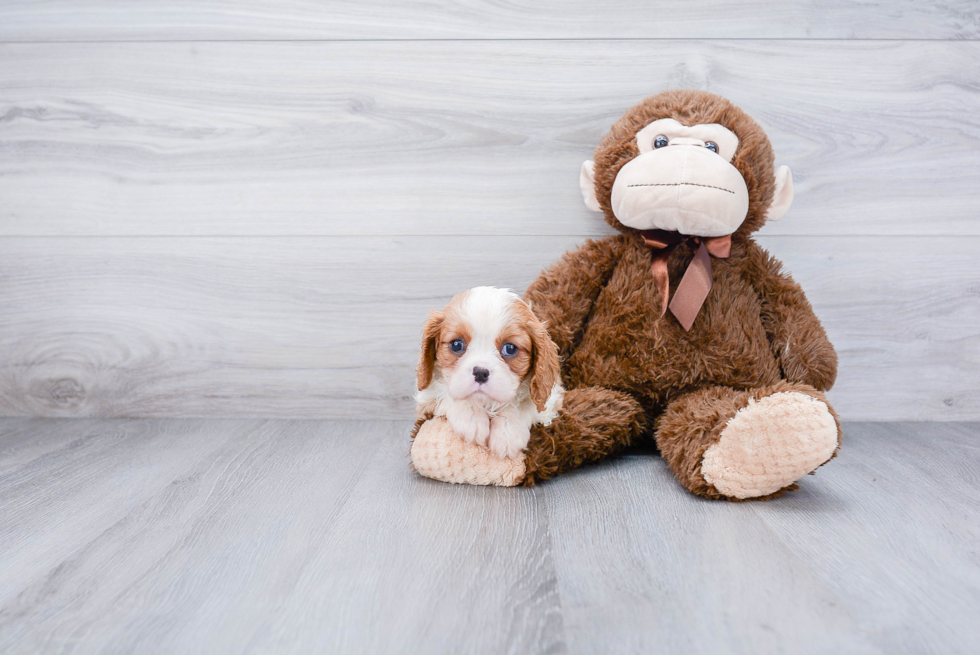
(163, 536)
(436, 138)
(633, 548)
(869, 556)
(100, 20)
(916, 507)
(287, 537)
(429, 562)
(21, 441)
(328, 327)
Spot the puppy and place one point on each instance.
(489, 366)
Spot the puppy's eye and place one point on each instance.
(712, 146)
(457, 346)
(660, 141)
(508, 350)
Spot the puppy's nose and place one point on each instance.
(481, 375)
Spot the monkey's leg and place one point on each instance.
(752, 444)
(593, 423)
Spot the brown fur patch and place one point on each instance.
(594, 423)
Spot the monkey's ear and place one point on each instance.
(587, 181)
(783, 197)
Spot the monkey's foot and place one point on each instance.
(770, 444)
(440, 454)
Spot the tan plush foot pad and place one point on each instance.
(770, 444)
(439, 454)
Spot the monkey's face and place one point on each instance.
(687, 162)
(682, 181)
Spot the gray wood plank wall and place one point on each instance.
(246, 209)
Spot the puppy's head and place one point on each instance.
(487, 342)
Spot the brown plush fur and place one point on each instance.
(629, 370)
(594, 423)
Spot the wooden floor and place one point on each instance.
(215, 536)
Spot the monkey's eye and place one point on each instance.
(660, 141)
(711, 145)
(457, 346)
(508, 350)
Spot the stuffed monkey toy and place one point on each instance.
(680, 328)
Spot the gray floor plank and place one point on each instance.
(645, 567)
(246, 551)
(26, 20)
(21, 442)
(894, 529)
(197, 564)
(73, 494)
(315, 536)
(420, 566)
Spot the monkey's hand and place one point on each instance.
(804, 352)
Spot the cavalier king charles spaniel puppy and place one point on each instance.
(489, 366)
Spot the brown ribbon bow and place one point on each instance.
(696, 283)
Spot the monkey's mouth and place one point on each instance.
(706, 186)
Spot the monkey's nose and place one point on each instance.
(481, 375)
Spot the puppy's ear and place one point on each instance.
(546, 369)
(430, 343)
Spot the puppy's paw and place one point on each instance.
(508, 438)
(482, 430)
(469, 422)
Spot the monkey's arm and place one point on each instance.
(797, 339)
(564, 293)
